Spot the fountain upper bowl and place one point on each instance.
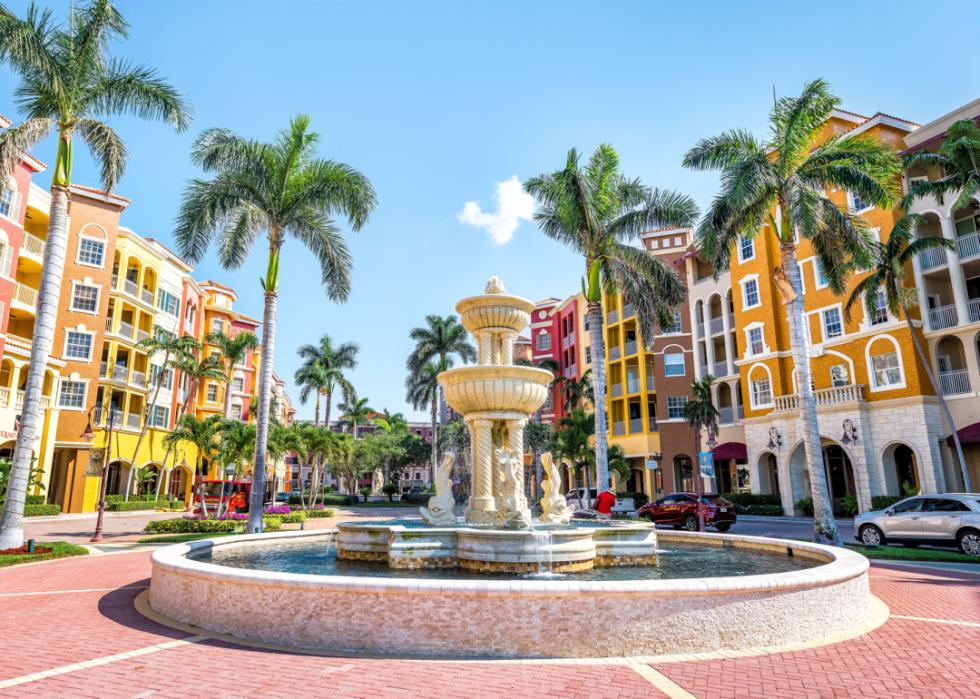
(495, 311)
(495, 388)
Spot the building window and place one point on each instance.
(71, 395)
(212, 393)
(588, 355)
(750, 291)
(746, 249)
(85, 298)
(761, 392)
(856, 203)
(238, 383)
(544, 341)
(7, 197)
(673, 364)
(78, 345)
(168, 303)
(886, 369)
(158, 416)
(161, 377)
(91, 252)
(675, 407)
(756, 342)
(818, 274)
(674, 327)
(832, 325)
(839, 375)
(880, 313)
(218, 325)
(236, 411)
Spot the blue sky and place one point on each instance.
(438, 102)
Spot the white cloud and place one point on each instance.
(513, 206)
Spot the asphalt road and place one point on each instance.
(791, 528)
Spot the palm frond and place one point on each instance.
(16, 141)
(128, 88)
(650, 284)
(662, 208)
(107, 148)
(322, 238)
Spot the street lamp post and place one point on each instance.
(88, 435)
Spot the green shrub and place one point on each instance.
(148, 497)
(805, 505)
(338, 499)
(325, 512)
(182, 525)
(41, 510)
(296, 517)
(134, 505)
(849, 505)
(35, 500)
(880, 502)
(760, 510)
(752, 499)
(272, 524)
(416, 498)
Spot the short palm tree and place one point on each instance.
(422, 390)
(196, 371)
(890, 266)
(356, 412)
(311, 379)
(577, 392)
(281, 189)
(783, 183)
(391, 422)
(236, 445)
(959, 159)
(203, 436)
(333, 361)
(701, 414)
(573, 441)
(234, 349)
(68, 85)
(597, 211)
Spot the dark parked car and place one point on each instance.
(681, 510)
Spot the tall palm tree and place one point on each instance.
(701, 414)
(203, 436)
(391, 422)
(234, 349)
(356, 412)
(577, 392)
(280, 189)
(438, 342)
(891, 262)
(573, 442)
(197, 371)
(596, 210)
(68, 85)
(783, 183)
(236, 446)
(311, 379)
(959, 159)
(176, 350)
(334, 360)
(422, 390)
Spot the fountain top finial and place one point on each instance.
(495, 286)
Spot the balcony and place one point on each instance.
(633, 385)
(615, 352)
(612, 317)
(933, 258)
(4, 396)
(974, 306)
(653, 423)
(628, 311)
(25, 296)
(103, 370)
(102, 416)
(837, 395)
(130, 287)
(138, 379)
(968, 245)
(147, 296)
(717, 325)
(125, 330)
(120, 373)
(943, 317)
(721, 369)
(619, 429)
(616, 390)
(133, 421)
(32, 246)
(726, 415)
(19, 401)
(142, 335)
(650, 379)
(954, 383)
(630, 347)
(636, 425)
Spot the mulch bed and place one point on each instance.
(23, 551)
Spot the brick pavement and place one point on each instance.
(903, 658)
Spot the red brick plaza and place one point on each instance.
(70, 629)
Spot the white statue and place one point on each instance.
(377, 482)
(514, 512)
(440, 512)
(554, 508)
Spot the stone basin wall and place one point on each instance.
(520, 618)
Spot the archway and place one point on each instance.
(954, 377)
(7, 449)
(683, 473)
(181, 478)
(118, 476)
(768, 473)
(901, 468)
(838, 470)
(149, 485)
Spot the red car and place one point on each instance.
(681, 510)
(235, 496)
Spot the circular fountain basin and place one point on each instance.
(824, 593)
(500, 311)
(492, 388)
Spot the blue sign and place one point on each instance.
(706, 464)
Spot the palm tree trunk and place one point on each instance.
(943, 405)
(257, 500)
(599, 387)
(146, 420)
(698, 480)
(231, 371)
(823, 516)
(12, 522)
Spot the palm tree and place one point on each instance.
(578, 391)
(176, 350)
(282, 189)
(311, 379)
(701, 414)
(783, 183)
(334, 361)
(573, 441)
(356, 412)
(959, 159)
(597, 211)
(233, 349)
(391, 422)
(196, 372)
(68, 84)
(236, 445)
(890, 265)
(422, 390)
(203, 436)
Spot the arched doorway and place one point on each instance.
(838, 470)
(180, 481)
(153, 473)
(683, 473)
(768, 473)
(901, 469)
(117, 478)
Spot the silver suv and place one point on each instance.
(925, 519)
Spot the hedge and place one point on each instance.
(760, 510)
(186, 525)
(417, 498)
(297, 517)
(35, 500)
(752, 498)
(133, 505)
(328, 499)
(325, 512)
(149, 497)
(41, 510)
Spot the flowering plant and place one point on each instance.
(277, 510)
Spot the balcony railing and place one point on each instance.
(968, 245)
(636, 425)
(653, 423)
(614, 352)
(630, 347)
(147, 296)
(936, 257)
(25, 294)
(4, 396)
(612, 317)
(133, 421)
(619, 428)
(102, 416)
(721, 369)
(138, 379)
(716, 325)
(142, 335)
(628, 311)
(32, 245)
(616, 390)
(650, 383)
(942, 317)
(130, 287)
(633, 386)
(120, 373)
(125, 329)
(955, 382)
(974, 306)
(103, 369)
(700, 329)
(726, 415)
(824, 396)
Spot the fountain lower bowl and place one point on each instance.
(448, 617)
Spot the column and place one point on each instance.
(482, 506)
(956, 278)
(920, 292)
(515, 442)
(696, 340)
(507, 347)
(484, 342)
(726, 324)
(709, 348)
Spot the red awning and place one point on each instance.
(730, 450)
(968, 435)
